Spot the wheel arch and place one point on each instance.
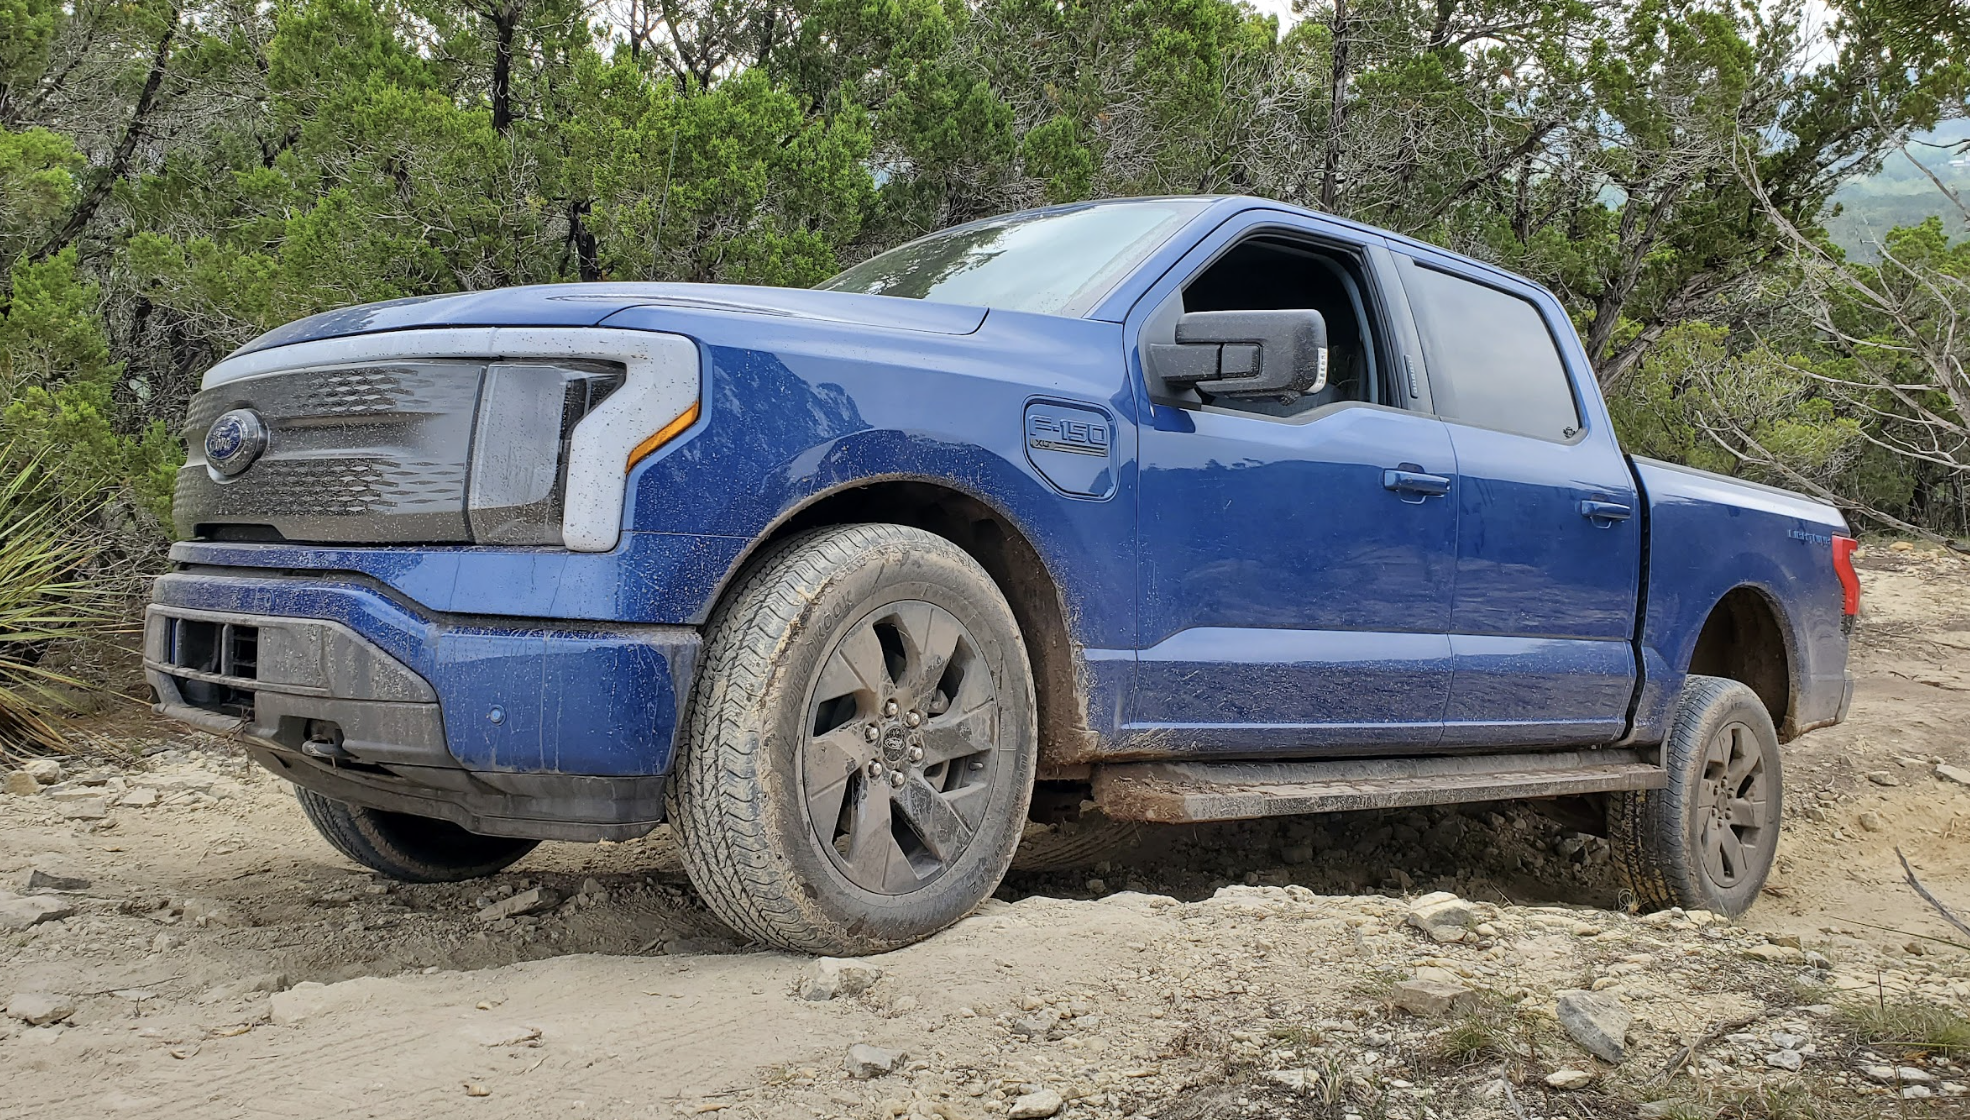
(1747, 638)
(993, 538)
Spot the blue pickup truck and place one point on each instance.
(1192, 508)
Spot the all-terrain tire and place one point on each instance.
(752, 795)
(1670, 845)
(412, 848)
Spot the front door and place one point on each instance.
(1296, 557)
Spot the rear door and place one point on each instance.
(1549, 542)
(1295, 558)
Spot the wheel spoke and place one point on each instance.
(1749, 811)
(870, 842)
(1713, 853)
(1744, 758)
(827, 762)
(970, 802)
(932, 635)
(855, 666)
(1732, 850)
(957, 734)
(933, 819)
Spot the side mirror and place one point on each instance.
(1246, 353)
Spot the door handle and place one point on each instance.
(1415, 482)
(1604, 511)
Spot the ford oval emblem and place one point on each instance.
(235, 440)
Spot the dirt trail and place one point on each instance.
(223, 961)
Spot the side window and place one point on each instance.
(1492, 360)
(1273, 273)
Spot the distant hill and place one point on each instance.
(1900, 195)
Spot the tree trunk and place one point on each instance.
(126, 148)
(587, 266)
(1337, 110)
(505, 18)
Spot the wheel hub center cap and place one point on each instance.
(895, 744)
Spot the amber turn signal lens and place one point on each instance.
(663, 435)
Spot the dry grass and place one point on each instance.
(1909, 1023)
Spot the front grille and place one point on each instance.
(376, 453)
(394, 452)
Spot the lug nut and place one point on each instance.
(890, 707)
(871, 733)
(896, 778)
(875, 769)
(914, 718)
(916, 754)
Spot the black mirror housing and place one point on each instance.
(1246, 353)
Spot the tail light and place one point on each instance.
(1843, 566)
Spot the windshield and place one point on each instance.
(1053, 262)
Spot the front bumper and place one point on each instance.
(543, 729)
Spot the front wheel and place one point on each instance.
(414, 849)
(859, 755)
(1706, 842)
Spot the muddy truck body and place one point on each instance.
(1161, 509)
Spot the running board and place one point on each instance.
(1181, 792)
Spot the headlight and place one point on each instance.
(527, 414)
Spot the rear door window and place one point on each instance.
(1492, 360)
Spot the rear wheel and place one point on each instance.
(860, 751)
(414, 849)
(1706, 842)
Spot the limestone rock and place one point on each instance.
(38, 879)
(831, 977)
(865, 1061)
(38, 1009)
(1791, 1060)
(1569, 1079)
(22, 784)
(1442, 915)
(1597, 1022)
(22, 913)
(1957, 774)
(47, 771)
(86, 809)
(1036, 1106)
(526, 902)
(301, 1002)
(1434, 998)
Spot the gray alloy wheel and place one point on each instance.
(898, 767)
(859, 751)
(1706, 842)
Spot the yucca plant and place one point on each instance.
(45, 597)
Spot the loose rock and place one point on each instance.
(1442, 915)
(526, 902)
(832, 977)
(1434, 998)
(865, 1061)
(1786, 1059)
(38, 879)
(22, 913)
(1597, 1022)
(1569, 1079)
(86, 809)
(47, 771)
(38, 1009)
(22, 784)
(1956, 774)
(1036, 1106)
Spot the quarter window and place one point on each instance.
(1492, 359)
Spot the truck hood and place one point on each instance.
(586, 305)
